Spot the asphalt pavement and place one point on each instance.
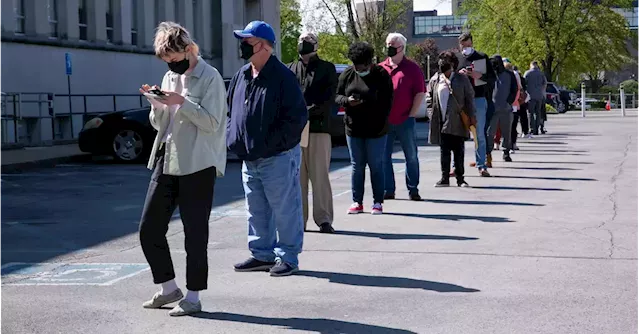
(547, 245)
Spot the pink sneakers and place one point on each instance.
(355, 208)
(376, 209)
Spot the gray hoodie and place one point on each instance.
(536, 84)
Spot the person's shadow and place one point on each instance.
(385, 281)
(318, 325)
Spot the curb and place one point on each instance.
(46, 163)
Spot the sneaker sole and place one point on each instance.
(260, 268)
(354, 212)
(288, 273)
(376, 213)
(441, 185)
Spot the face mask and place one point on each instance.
(364, 74)
(392, 51)
(180, 66)
(246, 50)
(305, 48)
(467, 51)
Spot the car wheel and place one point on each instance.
(128, 145)
(562, 108)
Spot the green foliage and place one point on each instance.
(371, 23)
(333, 48)
(630, 86)
(567, 37)
(608, 89)
(419, 52)
(551, 109)
(290, 24)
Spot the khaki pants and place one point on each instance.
(314, 167)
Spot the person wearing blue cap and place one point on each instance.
(267, 114)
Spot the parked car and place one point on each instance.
(569, 98)
(553, 98)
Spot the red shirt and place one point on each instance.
(408, 81)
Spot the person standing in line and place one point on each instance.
(476, 65)
(536, 87)
(451, 94)
(366, 91)
(319, 82)
(267, 114)
(188, 154)
(518, 104)
(408, 95)
(504, 94)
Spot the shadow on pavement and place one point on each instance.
(303, 324)
(385, 281)
(471, 202)
(540, 168)
(519, 188)
(553, 151)
(484, 219)
(552, 154)
(393, 236)
(545, 142)
(555, 162)
(550, 178)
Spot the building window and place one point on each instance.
(18, 10)
(134, 22)
(82, 19)
(109, 16)
(52, 16)
(446, 25)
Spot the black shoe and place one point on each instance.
(252, 264)
(543, 131)
(442, 183)
(463, 184)
(326, 228)
(506, 157)
(415, 197)
(389, 196)
(282, 269)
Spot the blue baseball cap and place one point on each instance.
(259, 29)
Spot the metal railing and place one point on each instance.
(620, 100)
(42, 118)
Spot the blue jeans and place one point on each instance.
(274, 205)
(363, 152)
(481, 117)
(406, 134)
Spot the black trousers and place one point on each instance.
(452, 143)
(521, 116)
(193, 193)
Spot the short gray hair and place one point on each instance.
(394, 36)
(172, 37)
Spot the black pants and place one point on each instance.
(521, 116)
(193, 193)
(451, 143)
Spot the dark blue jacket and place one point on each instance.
(266, 114)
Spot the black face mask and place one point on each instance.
(305, 48)
(180, 66)
(246, 50)
(392, 51)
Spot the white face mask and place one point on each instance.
(467, 51)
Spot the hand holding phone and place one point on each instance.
(354, 100)
(152, 92)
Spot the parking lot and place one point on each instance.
(548, 245)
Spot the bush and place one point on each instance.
(608, 89)
(551, 109)
(630, 86)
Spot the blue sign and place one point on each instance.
(100, 274)
(67, 62)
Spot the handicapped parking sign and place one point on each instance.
(101, 274)
(67, 62)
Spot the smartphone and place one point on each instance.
(157, 92)
(469, 68)
(356, 96)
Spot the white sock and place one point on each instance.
(192, 296)
(168, 287)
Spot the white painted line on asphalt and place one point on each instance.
(98, 274)
(111, 282)
(342, 193)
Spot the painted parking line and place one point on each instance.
(97, 274)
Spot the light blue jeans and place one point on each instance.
(406, 134)
(274, 206)
(481, 117)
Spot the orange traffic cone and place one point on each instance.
(608, 106)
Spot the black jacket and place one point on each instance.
(318, 81)
(370, 118)
(486, 90)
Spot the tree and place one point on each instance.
(368, 21)
(419, 54)
(565, 36)
(290, 24)
(333, 48)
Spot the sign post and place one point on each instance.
(68, 68)
(584, 95)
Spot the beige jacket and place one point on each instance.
(198, 139)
